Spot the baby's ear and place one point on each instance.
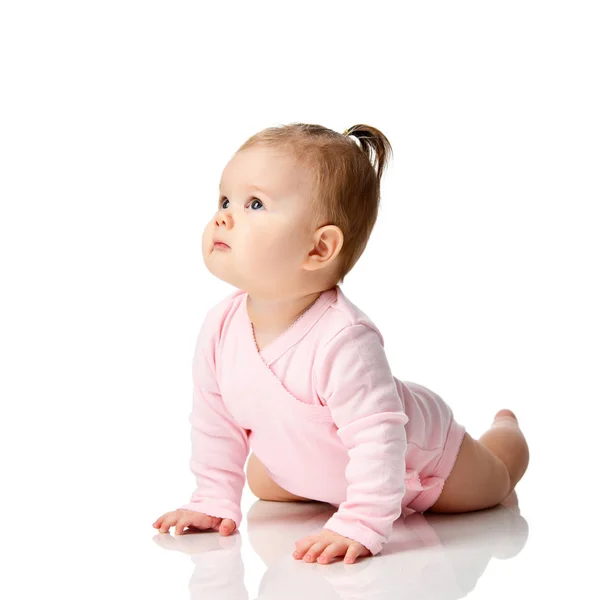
(328, 241)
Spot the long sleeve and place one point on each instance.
(354, 379)
(219, 446)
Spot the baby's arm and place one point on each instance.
(354, 378)
(219, 445)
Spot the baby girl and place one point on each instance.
(289, 367)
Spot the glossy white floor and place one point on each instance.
(428, 556)
(86, 532)
(531, 543)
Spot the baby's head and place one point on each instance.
(297, 205)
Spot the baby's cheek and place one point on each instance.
(266, 251)
(207, 237)
(287, 250)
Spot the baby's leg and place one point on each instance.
(486, 470)
(263, 486)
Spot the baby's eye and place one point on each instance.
(224, 199)
(256, 200)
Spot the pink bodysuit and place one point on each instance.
(321, 409)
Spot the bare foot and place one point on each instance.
(505, 416)
(511, 502)
(506, 440)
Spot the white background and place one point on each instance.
(116, 120)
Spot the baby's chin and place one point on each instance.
(215, 269)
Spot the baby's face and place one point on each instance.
(263, 210)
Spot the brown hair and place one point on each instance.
(346, 178)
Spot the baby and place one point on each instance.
(287, 366)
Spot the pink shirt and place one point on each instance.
(319, 407)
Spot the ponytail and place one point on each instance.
(371, 138)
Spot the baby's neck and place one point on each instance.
(272, 317)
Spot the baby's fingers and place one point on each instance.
(227, 526)
(167, 521)
(158, 521)
(193, 520)
(303, 545)
(182, 522)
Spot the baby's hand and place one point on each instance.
(335, 544)
(193, 520)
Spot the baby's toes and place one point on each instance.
(504, 412)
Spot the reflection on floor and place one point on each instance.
(428, 556)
